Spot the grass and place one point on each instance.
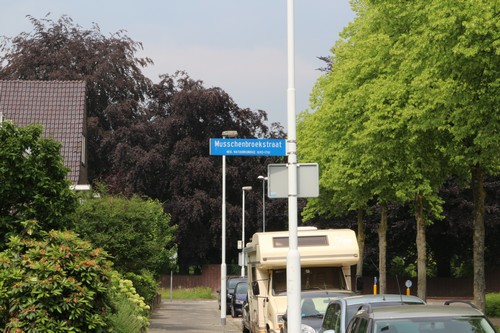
(188, 293)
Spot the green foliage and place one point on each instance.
(135, 231)
(188, 293)
(57, 284)
(33, 179)
(145, 284)
(401, 266)
(493, 305)
(131, 315)
(461, 268)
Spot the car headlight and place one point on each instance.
(307, 329)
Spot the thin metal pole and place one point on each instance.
(223, 288)
(171, 285)
(293, 257)
(242, 232)
(263, 205)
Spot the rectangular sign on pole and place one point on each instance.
(307, 182)
(248, 147)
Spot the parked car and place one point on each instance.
(238, 297)
(245, 317)
(230, 284)
(341, 310)
(417, 319)
(313, 305)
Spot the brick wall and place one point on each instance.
(436, 287)
(210, 277)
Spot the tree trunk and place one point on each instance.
(479, 195)
(421, 248)
(361, 243)
(382, 249)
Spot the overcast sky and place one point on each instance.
(237, 45)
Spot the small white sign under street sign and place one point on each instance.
(307, 182)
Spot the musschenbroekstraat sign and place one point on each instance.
(248, 147)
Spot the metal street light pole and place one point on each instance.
(243, 189)
(293, 282)
(223, 269)
(263, 202)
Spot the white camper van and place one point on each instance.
(326, 257)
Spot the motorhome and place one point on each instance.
(326, 257)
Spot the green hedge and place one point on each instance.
(493, 305)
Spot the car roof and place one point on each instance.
(379, 298)
(427, 311)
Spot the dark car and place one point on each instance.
(313, 305)
(245, 317)
(231, 282)
(421, 318)
(238, 298)
(341, 310)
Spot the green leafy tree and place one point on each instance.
(424, 80)
(56, 284)
(136, 232)
(33, 178)
(456, 56)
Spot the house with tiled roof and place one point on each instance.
(59, 106)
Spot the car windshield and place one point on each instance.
(312, 278)
(434, 325)
(233, 282)
(241, 288)
(314, 306)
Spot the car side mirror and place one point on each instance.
(255, 288)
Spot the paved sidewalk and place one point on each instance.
(191, 316)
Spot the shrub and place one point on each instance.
(492, 307)
(56, 284)
(145, 284)
(131, 315)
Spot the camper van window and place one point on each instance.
(321, 240)
(317, 278)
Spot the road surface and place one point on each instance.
(191, 316)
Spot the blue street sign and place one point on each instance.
(248, 147)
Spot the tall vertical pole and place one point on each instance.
(223, 287)
(264, 204)
(293, 257)
(263, 178)
(242, 232)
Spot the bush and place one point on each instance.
(493, 305)
(56, 284)
(131, 315)
(145, 284)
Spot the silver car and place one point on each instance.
(341, 310)
(420, 319)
